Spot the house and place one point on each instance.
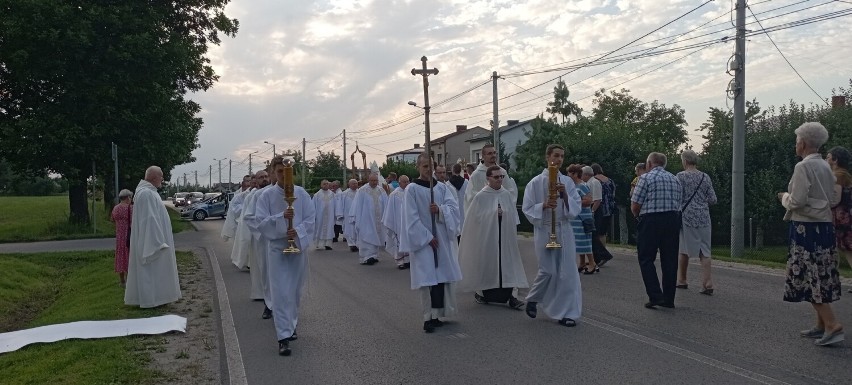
(512, 135)
(449, 148)
(409, 155)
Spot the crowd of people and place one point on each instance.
(458, 233)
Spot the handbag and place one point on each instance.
(588, 225)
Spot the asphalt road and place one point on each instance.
(361, 325)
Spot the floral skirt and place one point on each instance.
(812, 274)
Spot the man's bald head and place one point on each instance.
(154, 176)
(403, 181)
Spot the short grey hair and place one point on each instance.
(587, 170)
(656, 159)
(689, 157)
(639, 166)
(813, 134)
(125, 194)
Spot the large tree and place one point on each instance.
(77, 75)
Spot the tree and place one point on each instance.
(401, 167)
(327, 165)
(75, 76)
(561, 105)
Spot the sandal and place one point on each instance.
(568, 322)
(706, 291)
(682, 286)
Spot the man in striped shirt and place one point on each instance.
(656, 204)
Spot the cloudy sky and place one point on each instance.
(310, 69)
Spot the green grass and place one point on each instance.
(31, 219)
(49, 288)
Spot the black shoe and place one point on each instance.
(267, 313)
(328, 248)
(479, 299)
(293, 337)
(568, 322)
(515, 303)
(531, 310)
(372, 261)
(334, 240)
(401, 267)
(284, 348)
(344, 239)
(436, 322)
(654, 304)
(669, 305)
(353, 248)
(604, 261)
(406, 265)
(428, 327)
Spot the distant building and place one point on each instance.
(409, 155)
(512, 135)
(449, 148)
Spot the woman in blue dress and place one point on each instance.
(583, 240)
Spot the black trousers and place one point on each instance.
(338, 229)
(659, 232)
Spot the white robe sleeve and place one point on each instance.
(418, 234)
(149, 224)
(532, 208)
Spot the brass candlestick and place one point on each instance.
(289, 197)
(552, 173)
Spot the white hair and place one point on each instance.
(657, 159)
(587, 170)
(153, 171)
(813, 134)
(125, 194)
(689, 157)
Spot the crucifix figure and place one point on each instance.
(425, 72)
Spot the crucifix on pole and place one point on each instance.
(425, 72)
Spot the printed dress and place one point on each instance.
(121, 215)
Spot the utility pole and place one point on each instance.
(738, 161)
(94, 222)
(344, 158)
(230, 161)
(210, 175)
(184, 182)
(250, 164)
(425, 73)
(304, 161)
(196, 179)
(115, 164)
(495, 127)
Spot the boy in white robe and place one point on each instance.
(259, 243)
(392, 219)
(242, 236)
(338, 223)
(367, 210)
(324, 207)
(557, 285)
(286, 272)
(152, 276)
(229, 229)
(492, 263)
(434, 255)
(460, 184)
(341, 212)
(477, 178)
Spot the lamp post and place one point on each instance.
(273, 148)
(250, 161)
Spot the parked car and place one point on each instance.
(211, 195)
(213, 207)
(180, 199)
(195, 197)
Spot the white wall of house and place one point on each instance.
(404, 157)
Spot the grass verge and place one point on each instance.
(32, 219)
(48, 288)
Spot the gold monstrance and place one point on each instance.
(552, 173)
(289, 197)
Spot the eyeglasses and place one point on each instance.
(497, 176)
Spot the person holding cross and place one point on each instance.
(430, 227)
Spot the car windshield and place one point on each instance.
(180, 195)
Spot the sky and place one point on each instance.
(311, 69)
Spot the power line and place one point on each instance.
(785, 57)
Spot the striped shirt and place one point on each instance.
(657, 191)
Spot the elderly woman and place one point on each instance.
(697, 196)
(582, 239)
(839, 158)
(812, 260)
(121, 215)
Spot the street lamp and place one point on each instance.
(412, 103)
(273, 147)
(250, 161)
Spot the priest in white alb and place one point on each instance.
(286, 271)
(460, 184)
(152, 276)
(324, 207)
(229, 228)
(342, 213)
(434, 255)
(257, 251)
(367, 210)
(392, 219)
(492, 264)
(242, 236)
(557, 285)
(338, 223)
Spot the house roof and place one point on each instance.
(415, 150)
(502, 130)
(456, 133)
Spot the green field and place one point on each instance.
(50, 288)
(29, 219)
